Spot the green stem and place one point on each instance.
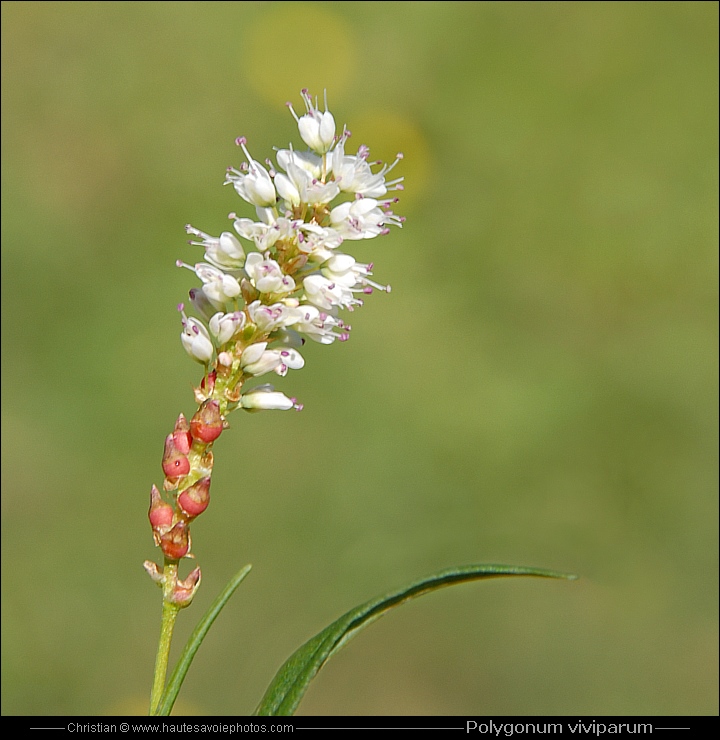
(167, 625)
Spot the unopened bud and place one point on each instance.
(264, 397)
(174, 463)
(175, 543)
(207, 384)
(160, 512)
(184, 591)
(181, 435)
(207, 424)
(194, 500)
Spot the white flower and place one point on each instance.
(255, 186)
(226, 325)
(317, 129)
(307, 161)
(289, 359)
(265, 274)
(320, 326)
(327, 294)
(354, 175)
(287, 189)
(218, 287)
(258, 360)
(264, 235)
(265, 397)
(266, 215)
(250, 230)
(296, 283)
(195, 339)
(343, 269)
(317, 241)
(269, 318)
(252, 353)
(358, 219)
(224, 251)
(304, 182)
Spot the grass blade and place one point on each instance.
(292, 680)
(194, 641)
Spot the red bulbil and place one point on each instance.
(194, 500)
(175, 543)
(207, 424)
(175, 464)
(181, 435)
(207, 384)
(160, 513)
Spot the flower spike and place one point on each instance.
(283, 277)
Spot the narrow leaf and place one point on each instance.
(193, 643)
(292, 680)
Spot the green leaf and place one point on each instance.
(292, 680)
(181, 668)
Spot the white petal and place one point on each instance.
(253, 353)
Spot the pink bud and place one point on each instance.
(175, 465)
(160, 513)
(207, 384)
(181, 435)
(194, 500)
(175, 543)
(207, 424)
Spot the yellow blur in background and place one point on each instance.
(538, 389)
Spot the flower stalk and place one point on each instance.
(283, 277)
(167, 625)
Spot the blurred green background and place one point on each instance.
(538, 389)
